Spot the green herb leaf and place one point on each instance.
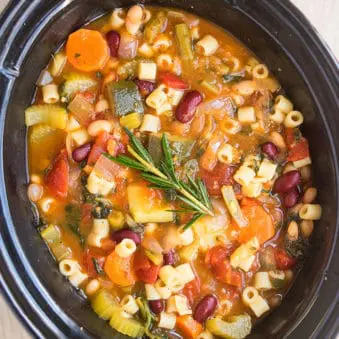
(193, 220)
(73, 217)
(235, 77)
(97, 266)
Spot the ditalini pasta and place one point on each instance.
(165, 163)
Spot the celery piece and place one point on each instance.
(233, 206)
(124, 98)
(132, 120)
(52, 115)
(237, 328)
(61, 251)
(76, 82)
(155, 27)
(104, 304)
(157, 259)
(211, 87)
(127, 326)
(51, 234)
(184, 41)
(58, 63)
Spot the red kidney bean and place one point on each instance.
(169, 257)
(270, 149)
(119, 236)
(145, 87)
(113, 40)
(291, 198)
(157, 306)
(186, 109)
(205, 308)
(81, 152)
(287, 181)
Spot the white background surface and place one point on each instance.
(323, 14)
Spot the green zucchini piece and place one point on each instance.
(52, 115)
(76, 82)
(184, 42)
(238, 327)
(155, 27)
(104, 304)
(277, 278)
(51, 234)
(61, 251)
(181, 147)
(124, 98)
(127, 326)
(267, 258)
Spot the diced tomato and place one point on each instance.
(299, 151)
(290, 136)
(214, 180)
(217, 257)
(57, 177)
(144, 269)
(98, 148)
(115, 147)
(86, 213)
(192, 290)
(88, 259)
(173, 81)
(283, 260)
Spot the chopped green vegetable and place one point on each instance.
(61, 251)
(40, 132)
(181, 148)
(104, 304)
(127, 326)
(233, 206)
(124, 98)
(156, 258)
(212, 87)
(277, 278)
(267, 259)
(116, 220)
(53, 115)
(73, 217)
(75, 83)
(238, 327)
(155, 27)
(297, 248)
(131, 120)
(184, 42)
(51, 234)
(231, 78)
(102, 208)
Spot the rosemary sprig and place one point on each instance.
(193, 193)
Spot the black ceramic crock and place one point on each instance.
(31, 30)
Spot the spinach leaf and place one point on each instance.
(97, 266)
(72, 221)
(235, 77)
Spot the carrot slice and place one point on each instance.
(189, 327)
(260, 224)
(120, 270)
(87, 50)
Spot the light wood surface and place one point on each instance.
(324, 16)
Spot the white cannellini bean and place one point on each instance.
(95, 127)
(35, 192)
